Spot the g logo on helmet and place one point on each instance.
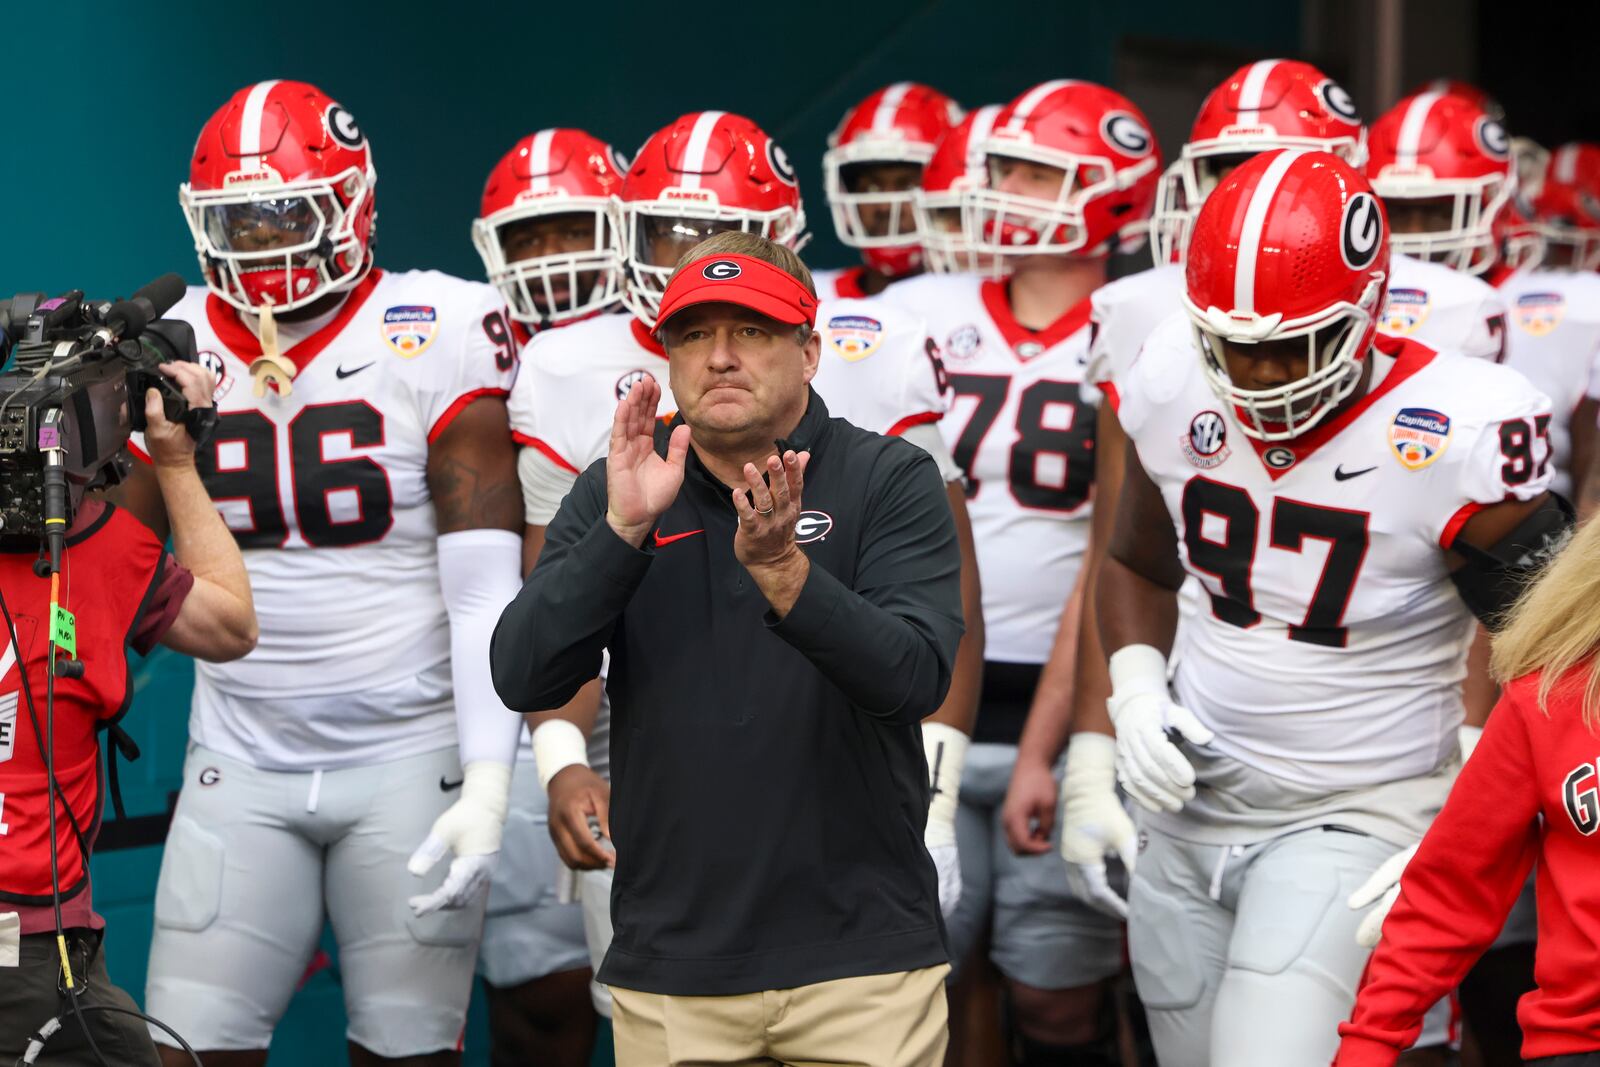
(1361, 231)
(721, 270)
(343, 129)
(1338, 102)
(1492, 138)
(778, 159)
(1125, 133)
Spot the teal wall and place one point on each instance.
(104, 102)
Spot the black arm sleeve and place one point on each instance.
(889, 642)
(549, 640)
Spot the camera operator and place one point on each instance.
(125, 591)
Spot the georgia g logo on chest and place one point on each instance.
(1580, 795)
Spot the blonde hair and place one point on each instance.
(1555, 624)
(740, 243)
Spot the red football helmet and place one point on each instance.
(1521, 244)
(546, 175)
(1567, 204)
(1456, 87)
(1439, 148)
(1108, 161)
(1292, 244)
(706, 172)
(898, 124)
(279, 197)
(1276, 103)
(958, 163)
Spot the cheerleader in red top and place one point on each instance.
(1529, 794)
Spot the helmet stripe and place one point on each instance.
(1564, 166)
(1255, 217)
(694, 153)
(888, 104)
(1033, 98)
(1252, 90)
(539, 160)
(977, 164)
(1411, 128)
(255, 106)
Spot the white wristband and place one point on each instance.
(946, 749)
(1137, 669)
(557, 745)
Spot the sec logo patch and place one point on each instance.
(1539, 313)
(854, 337)
(962, 344)
(1206, 443)
(213, 362)
(1418, 436)
(408, 330)
(1405, 311)
(626, 383)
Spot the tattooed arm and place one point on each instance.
(472, 471)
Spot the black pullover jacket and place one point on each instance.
(769, 784)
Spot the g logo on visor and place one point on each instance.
(1125, 133)
(343, 129)
(721, 270)
(1338, 102)
(1361, 231)
(1492, 138)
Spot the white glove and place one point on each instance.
(1094, 823)
(1384, 888)
(1149, 766)
(470, 828)
(946, 749)
(1467, 737)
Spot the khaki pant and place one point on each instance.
(880, 1020)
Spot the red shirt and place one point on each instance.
(1530, 792)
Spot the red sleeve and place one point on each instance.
(1455, 894)
(172, 585)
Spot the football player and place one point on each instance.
(1347, 500)
(547, 230)
(1072, 170)
(550, 241)
(363, 460)
(957, 163)
(870, 172)
(705, 173)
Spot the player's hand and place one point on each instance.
(471, 828)
(168, 443)
(1029, 812)
(1383, 889)
(1149, 766)
(640, 485)
(947, 862)
(1094, 823)
(768, 510)
(580, 807)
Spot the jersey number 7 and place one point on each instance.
(247, 441)
(1073, 442)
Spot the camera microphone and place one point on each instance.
(127, 319)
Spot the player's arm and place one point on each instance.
(1580, 461)
(1136, 602)
(472, 480)
(1499, 548)
(217, 620)
(561, 737)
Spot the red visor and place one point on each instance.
(751, 283)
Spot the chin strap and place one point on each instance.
(271, 368)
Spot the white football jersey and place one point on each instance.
(1554, 339)
(1447, 310)
(1122, 314)
(1333, 648)
(1020, 429)
(325, 490)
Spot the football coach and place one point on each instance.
(780, 595)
